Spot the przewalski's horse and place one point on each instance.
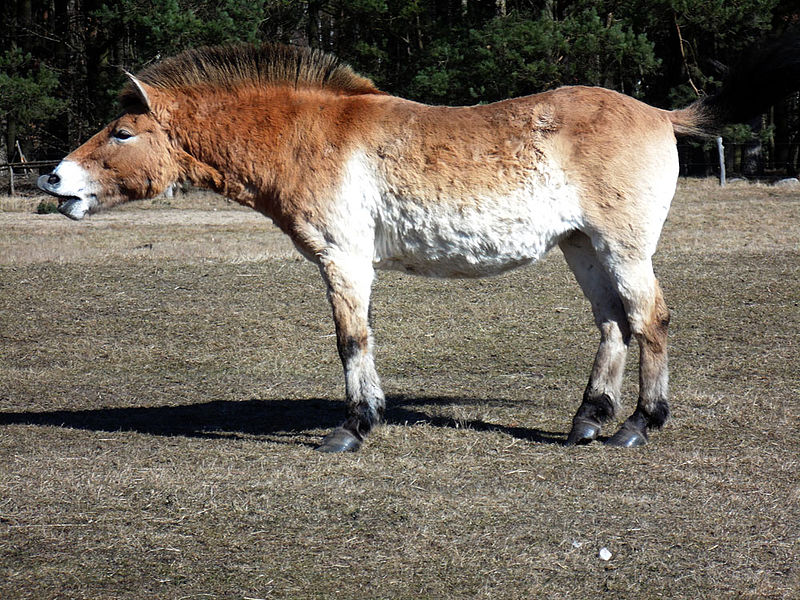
(362, 180)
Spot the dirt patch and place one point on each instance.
(194, 228)
(159, 406)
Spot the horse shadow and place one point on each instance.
(287, 421)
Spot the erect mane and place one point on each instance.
(267, 64)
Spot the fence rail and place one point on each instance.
(33, 164)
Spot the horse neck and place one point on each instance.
(270, 145)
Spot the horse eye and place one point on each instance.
(122, 134)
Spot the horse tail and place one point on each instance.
(764, 77)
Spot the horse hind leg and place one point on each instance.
(602, 395)
(648, 317)
(349, 284)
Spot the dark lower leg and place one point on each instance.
(652, 410)
(362, 419)
(634, 430)
(593, 412)
(601, 397)
(365, 400)
(348, 437)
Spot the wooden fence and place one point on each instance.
(28, 165)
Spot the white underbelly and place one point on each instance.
(474, 239)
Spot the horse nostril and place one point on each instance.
(53, 179)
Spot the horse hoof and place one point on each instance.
(583, 432)
(627, 438)
(340, 440)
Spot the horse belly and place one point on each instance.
(473, 239)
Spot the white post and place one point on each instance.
(721, 150)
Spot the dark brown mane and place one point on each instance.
(267, 64)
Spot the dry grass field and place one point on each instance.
(167, 368)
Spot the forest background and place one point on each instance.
(61, 61)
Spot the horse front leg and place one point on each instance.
(349, 282)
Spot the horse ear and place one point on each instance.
(142, 91)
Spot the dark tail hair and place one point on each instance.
(764, 76)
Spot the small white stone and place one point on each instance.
(604, 554)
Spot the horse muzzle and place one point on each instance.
(70, 183)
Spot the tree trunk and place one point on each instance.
(313, 24)
(24, 24)
(782, 135)
(753, 151)
(20, 38)
(11, 137)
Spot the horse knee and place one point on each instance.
(656, 330)
(661, 315)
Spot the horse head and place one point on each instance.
(131, 158)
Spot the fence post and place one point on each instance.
(27, 168)
(721, 150)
